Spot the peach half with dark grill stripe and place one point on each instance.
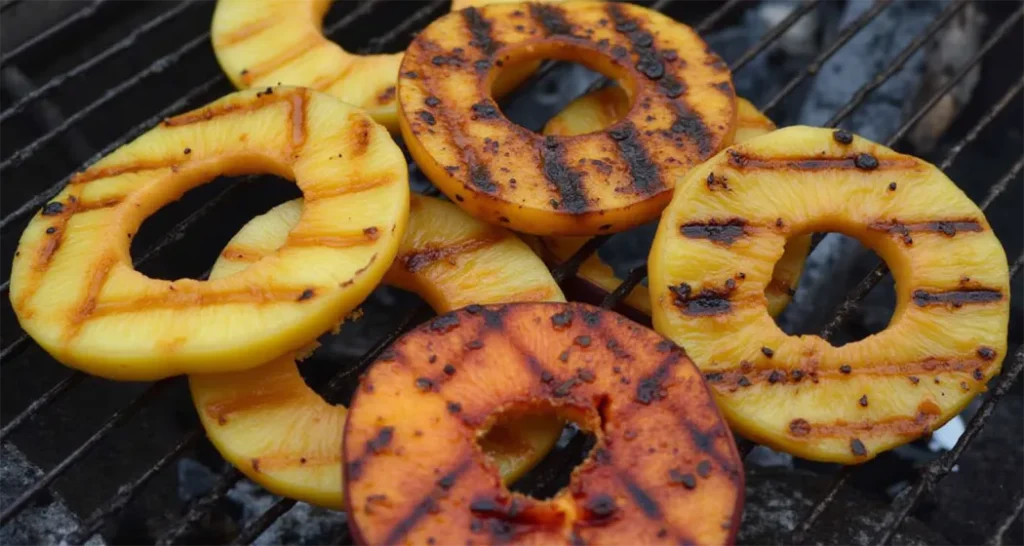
(664, 469)
(947, 335)
(683, 110)
(284, 436)
(261, 43)
(76, 293)
(595, 279)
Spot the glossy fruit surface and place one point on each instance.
(286, 437)
(76, 293)
(713, 256)
(664, 469)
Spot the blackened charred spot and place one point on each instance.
(648, 59)
(585, 375)
(648, 505)
(767, 352)
(857, 448)
(371, 233)
(444, 323)
(475, 345)
(448, 369)
(486, 506)
(619, 52)
(411, 74)
(546, 377)
(956, 298)
(744, 381)
(552, 18)
(562, 320)
(485, 109)
(915, 380)
(845, 369)
(863, 401)
(842, 136)
(568, 181)
(564, 356)
(948, 228)
(723, 87)
(978, 374)
(474, 309)
(564, 388)
(775, 376)
(601, 506)
(424, 384)
(591, 318)
(986, 353)
(717, 231)
(704, 468)
(480, 176)
(51, 230)
(494, 319)
(388, 355)
(707, 302)
(53, 208)
(354, 469)
(644, 172)
(865, 162)
(652, 388)
(689, 124)
(665, 346)
(799, 427)
(713, 377)
(671, 87)
(892, 186)
(797, 375)
(380, 442)
(482, 66)
(582, 341)
(306, 294)
(480, 29)
(432, 101)
(454, 407)
(687, 480)
(427, 117)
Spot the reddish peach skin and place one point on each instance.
(664, 470)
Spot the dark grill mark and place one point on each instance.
(705, 303)
(652, 388)
(417, 260)
(641, 498)
(480, 176)
(563, 319)
(716, 231)
(552, 18)
(704, 468)
(740, 161)
(424, 384)
(688, 480)
(648, 60)
(485, 109)
(956, 298)
(948, 228)
(444, 323)
(691, 125)
(480, 28)
(671, 87)
(306, 294)
(644, 172)
(427, 117)
(424, 507)
(380, 442)
(568, 181)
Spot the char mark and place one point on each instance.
(646, 178)
(948, 228)
(552, 18)
(417, 260)
(956, 298)
(707, 302)
(689, 124)
(568, 181)
(716, 231)
(425, 506)
(480, 29)
(648, 60)
(741, 161)
(481, 178)
(641, 498)
(652, 388)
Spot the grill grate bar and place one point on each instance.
(897, 63)
(625, 288)
(1000, 186)
(46, 399)
(227, 479)
(715, 16)
(845, 36)
(19, 504)
(121, 45)
(72, 19)
(937, 469)
(818, 509)
(996, 37)
(996, 109)
(255, 528)
(126, 493)
(1018, 507)
(773, 34)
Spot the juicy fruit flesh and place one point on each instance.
(599, 109)
(262, 43)
(75, 290)
(583, 185)
(846, 404)
(664, 469)
(283, 435)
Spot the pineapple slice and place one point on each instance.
(274, 428)
(75, 291)
(270, 42)
(714, 252)
(665, 469)
(683, 111)
(597, 110)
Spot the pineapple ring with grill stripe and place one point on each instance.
(270, 42)
(76, 293)
(799, 394)
(283, 435)
(683, 111)
(599, 109)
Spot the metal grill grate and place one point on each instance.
(15, 342)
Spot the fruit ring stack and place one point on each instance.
(468, 402)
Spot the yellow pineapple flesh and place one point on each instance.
(261, 43)
(599, 109)
(284, 436)
(76, 293)
(713, 256)
(683, 110)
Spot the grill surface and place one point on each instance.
(153, 60)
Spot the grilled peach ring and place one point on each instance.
(75, 291)
(664, 469)
(800, 394)
(683, 111)
(603, 107)
(283, 435)
(269, 42)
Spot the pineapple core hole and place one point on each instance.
(508, 439)
(837, 265)
(194, 254)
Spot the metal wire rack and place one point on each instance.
(15, 342)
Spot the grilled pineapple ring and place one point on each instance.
(683, 111)
(269, 42)
(284, 436)
(75, 291)
(664, 470)
(597, 110)
(713, 255)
